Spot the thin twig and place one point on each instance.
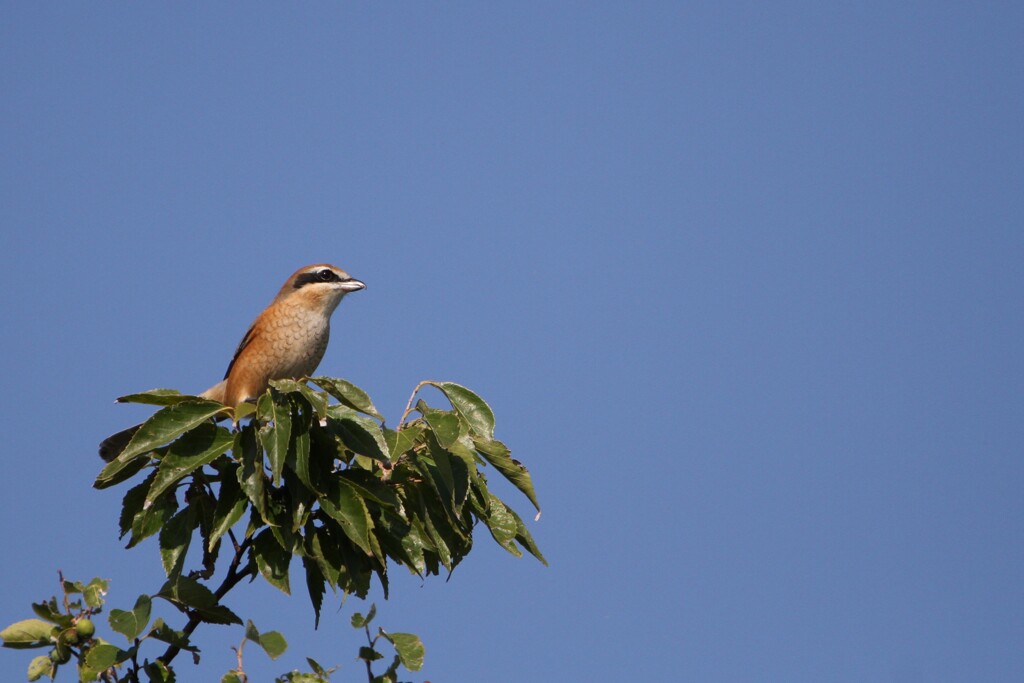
(408, 406)
(233, 578)
(372, 642)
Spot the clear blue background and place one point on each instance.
(742, 281)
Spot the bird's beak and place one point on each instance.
(352, 285)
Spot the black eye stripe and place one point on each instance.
(322, 275)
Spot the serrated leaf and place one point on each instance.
(272, 560)
(524, 539)
(27, 633)
(473, 409)
(150, 520)
(402, 441)
(133, 503)
(156, 397)
(444, 424)
(359, 433)
(298, 456)
(315, 587)
(251, 476)
(165, 634)
(231, 505)
(346, 506)
(349, 394)
(175, 538)
(315, 539)
(410, 649)
(317, 399)
(164, 426)
(496, 453)
(502, 525)
(198, 447)
(274, 407)
(187, 592)
(131, 623)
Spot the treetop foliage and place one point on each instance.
(296, 487)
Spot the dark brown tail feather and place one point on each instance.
(112, 446)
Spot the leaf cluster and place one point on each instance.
(326, 484)
(309, 480)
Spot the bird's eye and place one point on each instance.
(326, 275)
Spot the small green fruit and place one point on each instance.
(85, 628)
(60, 655)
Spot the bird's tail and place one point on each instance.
(112, 446)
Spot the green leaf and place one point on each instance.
(317, 399)
(349, 394)
(150, 520)
(231, 677)
(165, 634)
(315, 666)
(272, 642)
(185, 592)
(410, 541)
(198, 447)
(159, 672)
(131, 623)
(370, 487)
(315, 550)
(133, 503)
(122, 474)
(445, 424)
(27, 633)
(94, 591)
(440, 545)
(165, 425)
(368, 654)
(502, 525)
(410, 649)
(302, 423)
(344, 504)
(274, 407)
(175, 538)
(473, 409)
(102, 656)
(402, 441)
(496, 453)
(156, 397)
(272, 560)
(360, 434)
(251, 476)
(359, 621)
(41, 666)
(51, 612)
(315, 586)
(231, 505)
(524, 539)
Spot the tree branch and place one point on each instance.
(232, 579)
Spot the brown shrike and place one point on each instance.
(286, 341)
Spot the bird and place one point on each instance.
(286, 341)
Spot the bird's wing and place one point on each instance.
(246, 340)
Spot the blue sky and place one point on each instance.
(742, 283)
